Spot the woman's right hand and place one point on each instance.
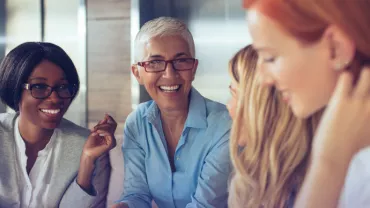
(101, 139)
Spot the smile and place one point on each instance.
(50, 111)
(169, 88)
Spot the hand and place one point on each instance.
(120, 205)
(345, 126)
(101, 139)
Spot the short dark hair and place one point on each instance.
(19, 63)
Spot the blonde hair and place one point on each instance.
(160, 27)
(274, 161)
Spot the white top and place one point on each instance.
(35, 186)
(356, 190)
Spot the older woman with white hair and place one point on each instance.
(176, 147)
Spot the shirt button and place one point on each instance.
(177, 158)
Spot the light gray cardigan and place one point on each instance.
(63, 189)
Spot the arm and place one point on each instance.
(343, 131)
(91, 186)
(212, 189)
(96, 195)
(136, 191)
(326, 178)
(323, 183)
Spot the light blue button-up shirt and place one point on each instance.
(202, 161)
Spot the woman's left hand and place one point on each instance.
(345, 126)
(101, 139)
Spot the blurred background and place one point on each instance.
(98, 35)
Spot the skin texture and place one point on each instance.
(293, 67)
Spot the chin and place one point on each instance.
(304, 113)
(50, 125)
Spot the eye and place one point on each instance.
(268, 59)
(181, 60)
(64, 86)
(39, 86)
(155, 62)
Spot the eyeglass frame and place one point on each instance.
(27, 86)
(142, 64)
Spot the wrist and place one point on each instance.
(338, 161)
(87, 158)
(87, 162)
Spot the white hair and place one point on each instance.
(160, 27)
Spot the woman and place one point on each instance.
(271, 168)
(39, 149)
(176, 147)
(317, 54)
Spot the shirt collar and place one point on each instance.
(22, 146)
(197, 115)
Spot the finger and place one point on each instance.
(99, 123)
(362, 88)
(344, 84)
(108, 137)
(106, 127)
(110, 120)
(104, 119)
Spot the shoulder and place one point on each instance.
(70, 129)
(217, 115)
(356, 190)
(136, 117)
(360, 163)
(6, 121)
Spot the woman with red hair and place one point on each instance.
(317, 54)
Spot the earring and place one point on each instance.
(341, 65)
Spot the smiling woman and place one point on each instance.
(39, 81)
(176, 147)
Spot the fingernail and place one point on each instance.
(101, 135)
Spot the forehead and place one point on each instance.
(265, 31)
(48, 70)
(166, 46)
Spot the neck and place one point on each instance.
(32, 134)
(174, 118)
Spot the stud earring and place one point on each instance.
(340, 65)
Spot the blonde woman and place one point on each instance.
(270, 170)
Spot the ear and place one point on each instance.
(136, 73)
(194, 71)
(342, 47)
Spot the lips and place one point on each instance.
(286, 96)
(169, 88)
(52, 113)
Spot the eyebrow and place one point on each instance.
(262, 48)
(176, 56)
(37, 78)
(180, 54)
(43, 79)
(156, 56)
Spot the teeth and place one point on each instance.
(170, 88)
(53, 111)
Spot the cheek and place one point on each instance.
(29, 105)
(150, 80)
(187, 76)
(289, 73)
(231, 107)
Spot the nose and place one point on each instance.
(169, 72)
(54, 97)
